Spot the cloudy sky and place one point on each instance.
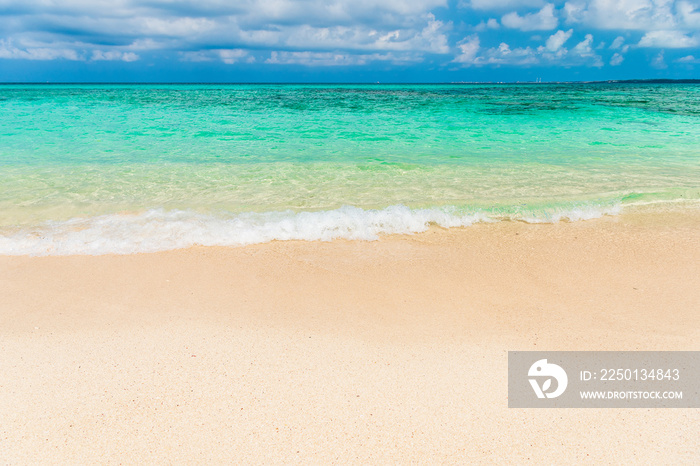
(348, 40)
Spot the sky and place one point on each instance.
(347, 40)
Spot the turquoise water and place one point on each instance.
(127, 168)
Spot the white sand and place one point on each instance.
(350, 352)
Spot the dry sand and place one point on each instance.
(349, 352)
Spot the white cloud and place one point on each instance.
(147, 44)
(314, 59)
(104, 28)
(584, 46)
(334, 58)
(689, 14)
(639, 15)
(9, 51)
(582, 54)
(669, 39)
(584, 51)
(339, 31)
(113, 55)
(468, 47)
(616, 59)
(658, 61)
(557, 40)
(689, 59)
(552, 53)
(228, 56)
(429, 39)
(517, 56)
(617, 43)
(500, 4)
(504, 55)
(231, 56)
(254, 12)
(542, 20)
(617, 14)
(492, 23)
(173, 27)
(197, 57)
(323, 12)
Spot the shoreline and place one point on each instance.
(353, 351)
(159, 230)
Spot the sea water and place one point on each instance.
(95, 169)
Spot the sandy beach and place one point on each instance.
(345, 351)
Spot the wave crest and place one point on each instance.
(160, 230)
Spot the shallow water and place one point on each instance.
(127, 168)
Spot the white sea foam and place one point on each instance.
(574, 214)
(159, 230)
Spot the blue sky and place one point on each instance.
(348, 40)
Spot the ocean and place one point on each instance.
(98, 169)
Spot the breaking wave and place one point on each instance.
(160, 230)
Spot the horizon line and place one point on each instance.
(606, 81)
